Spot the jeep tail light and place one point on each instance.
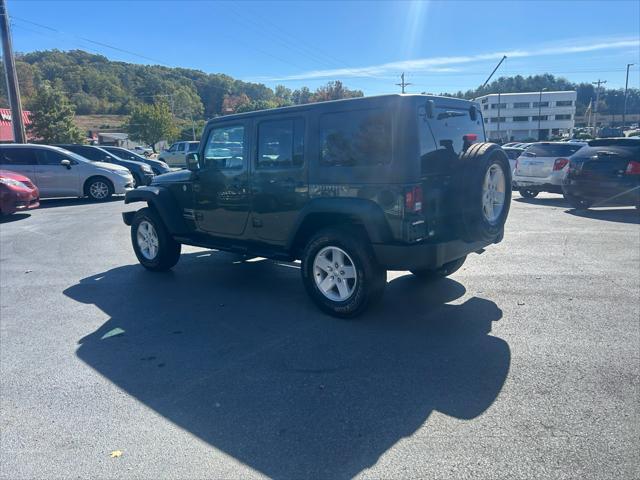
(560, 163)
(413, 200)
(468, 140)
(633, 168)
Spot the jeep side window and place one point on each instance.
(355, 138)
(173, 147)
(225, 148)
(281, 143)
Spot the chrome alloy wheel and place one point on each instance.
(493, 193)
(335, 274)
(99, 190)
(147, 239)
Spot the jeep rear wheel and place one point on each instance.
(152, 243)
(340, 273)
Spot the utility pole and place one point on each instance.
(626, 87)
(402, 82)
(13, 90)
(595, 108)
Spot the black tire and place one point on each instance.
(94, 185)
(136, 180)
(370, 278)
(577, 202)
(525, 193)
(444, 271)
(475, 162)
(168, 250)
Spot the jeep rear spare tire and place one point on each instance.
(340, 273)
(484, 191)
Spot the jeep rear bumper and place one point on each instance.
(425, 255)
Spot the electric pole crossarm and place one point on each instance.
(402, 83)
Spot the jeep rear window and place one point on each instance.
(355, 138)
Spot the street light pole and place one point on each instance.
(626, 87)
(499, 134)
(540, 111)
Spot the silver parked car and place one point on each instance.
(542, 167)
(176, 155)
(60, 173)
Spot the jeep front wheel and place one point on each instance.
(152, 243)
(340, 273)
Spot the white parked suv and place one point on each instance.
(542, 166)
(60, 173)
(176, 155)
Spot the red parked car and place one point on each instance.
(17, 193)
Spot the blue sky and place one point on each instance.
(441, 45)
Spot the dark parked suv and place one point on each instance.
(353, 188)
(606, 173)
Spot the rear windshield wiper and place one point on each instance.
(450, 113)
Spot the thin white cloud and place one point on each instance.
(446, 64)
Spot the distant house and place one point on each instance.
(114, 139)
(6, 125)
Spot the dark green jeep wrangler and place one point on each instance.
(353, 188)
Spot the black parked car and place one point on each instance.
(158, 166)
(142, 173)
(353, 188)
(607, 172)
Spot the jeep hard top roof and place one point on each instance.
(347, 103)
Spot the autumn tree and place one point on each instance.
(52, 117)
(151, 123)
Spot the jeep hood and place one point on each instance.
(172, 177)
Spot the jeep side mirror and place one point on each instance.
(192, 162)
(66, 163)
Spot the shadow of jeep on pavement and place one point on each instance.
(235, 353)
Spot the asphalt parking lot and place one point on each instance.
(524, 364)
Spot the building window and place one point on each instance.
(563, 117)
(485, 107)
(498, 105)
(540, 104)
(522, 105)
(535, 118)
(564, 103)
(520, 119)
(486, 120)
(485, 100)
(498, 119)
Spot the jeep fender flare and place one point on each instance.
(366, 212)
(163, 202)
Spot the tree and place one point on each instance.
(52, 117)
(334, 91)
(151, 123)
(301, 96)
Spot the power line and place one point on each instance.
(95, 42)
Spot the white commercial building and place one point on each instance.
(531, 115)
